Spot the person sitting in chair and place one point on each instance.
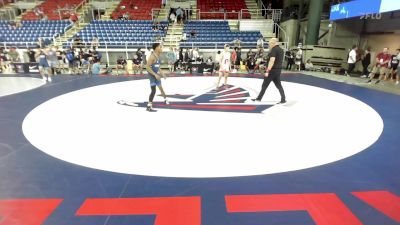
(122, 64)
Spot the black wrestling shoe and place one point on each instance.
(255, 100)
(281, 102)
(150, 109)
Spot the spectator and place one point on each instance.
(139, 53)
(193, 33)
(31, 55)
(44, 18)
(162, 27)
(13, 55)
(351, 60)
(136, 65)
(290, 59)
(62, 65)
(176, 52)
(190, 12)
(186, 58)
(73, 17)
(398, 70)
(179, 15)
(233, 59)
(95, 43)
(250, 64)
(394, 63)
(70, 57)
(40, 44)
(259, 53)
(238, 59)
(96, 68)
(96, 55)
(38, 12)
(85, 61)
(3, 60)
(77, 63)
(200, 59)
(126, 16)
(13, 24)
(260, 42)
(195, 54)
(381, 65)
(188, 55)
(309, 66)
(236, 42)
(77, 43)
(209, 61)
(122, 64)
(171, 60)
(163, 3)
(184, 37)
(299, 58)
(250, 53)
(172, 18)
(366, 61)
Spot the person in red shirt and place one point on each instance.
(381, 65)
(73, 17)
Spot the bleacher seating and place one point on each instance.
(50, 9)
(30, 31)
(122, 33)
(231, 7)
(137, 9)
(216, 31)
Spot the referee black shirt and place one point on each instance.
(276, 52)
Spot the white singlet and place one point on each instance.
(225, 64)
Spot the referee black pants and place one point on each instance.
(274, 76)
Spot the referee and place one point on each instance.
(273, 72)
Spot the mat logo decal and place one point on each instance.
(224, 99)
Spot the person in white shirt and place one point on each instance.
(195, 54)
(224, 65)
(260, 42)
(352, 59)
(299, 58)
(309, 66)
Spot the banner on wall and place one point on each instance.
(360, 8)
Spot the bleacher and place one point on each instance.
(216, 32)
(123, 33)
(50, 9)
(231, 7)
(30, 31)
(137, 9)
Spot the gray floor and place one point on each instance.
(385, 86)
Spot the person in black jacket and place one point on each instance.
(31, 55)
(273, 71)
(366, 60)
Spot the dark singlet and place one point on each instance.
(156, 66)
